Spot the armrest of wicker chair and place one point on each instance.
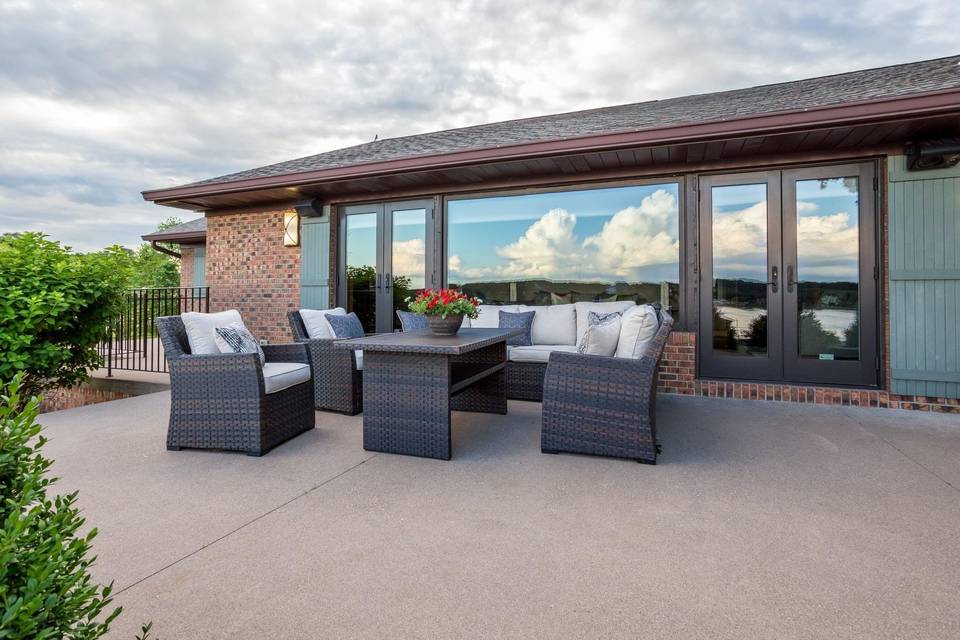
(291, 352)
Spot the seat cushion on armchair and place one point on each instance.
(538, 352)
(316, 324)
(637, 329)
(201, 329)
(602, 308)
(278, 376)
(358, 355)
(553, 324)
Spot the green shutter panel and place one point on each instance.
(924, 271)
(315, 263)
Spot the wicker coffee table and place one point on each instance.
(413, 380)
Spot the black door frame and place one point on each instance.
(862, 372)
(384, 211)
(784, 364)
(717, 364)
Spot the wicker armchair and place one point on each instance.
(218, 401)
(603, 406)
(337, 381)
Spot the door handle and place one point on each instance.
(790, 281)
(774, 278)
(378, 282)
(387, 282)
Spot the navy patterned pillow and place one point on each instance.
(236, 338)
(522, 320)
(411, 321)
(347, 326)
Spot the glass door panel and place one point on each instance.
(408, 258)
(830, 312)
(740, 262)
(361, 272)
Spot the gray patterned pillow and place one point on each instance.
(411, 321)
(523, 320)
(236, 338)
(347, 326)
(594, 318)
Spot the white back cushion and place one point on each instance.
(490, 315)
(200, 328)
(637, 329)
(602, 308)
(316, 323)
(553, 324)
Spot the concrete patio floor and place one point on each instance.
(762, 520)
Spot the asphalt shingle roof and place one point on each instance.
(856, 86)
(197, 227)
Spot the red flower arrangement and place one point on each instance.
(445, 302)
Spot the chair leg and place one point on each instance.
(642, 461)
(170, 447)
(550, 451)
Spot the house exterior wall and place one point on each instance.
(249, 269)
(187, 252)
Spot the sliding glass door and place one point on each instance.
(788, 287)
(386, 249)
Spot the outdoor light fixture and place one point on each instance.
(291, 229)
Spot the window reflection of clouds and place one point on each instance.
(627, 233)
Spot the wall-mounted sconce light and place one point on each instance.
(291, 229)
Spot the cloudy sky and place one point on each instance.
(99, 100)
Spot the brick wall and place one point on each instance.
(186, 265)
(678, 374)
(249, 269)
(79, 396)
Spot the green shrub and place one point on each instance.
(54, 307)
(45, 587)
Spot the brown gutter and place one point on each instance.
(161, 249)
(918, 104)
(182, 237)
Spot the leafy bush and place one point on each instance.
(54, 309)
(45, 587)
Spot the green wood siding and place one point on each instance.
(200, 267)
(315, 263)
(924, 272)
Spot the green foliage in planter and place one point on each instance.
(54, 308)
(45, 587)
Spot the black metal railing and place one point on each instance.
(133, 343)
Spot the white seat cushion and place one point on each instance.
(316, 324)
(489, 317)
(553, 324)
(200, 328)
(278, 376)
(602, 308)
(538, 352)
(638, 327)
(359, 357)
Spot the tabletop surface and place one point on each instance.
(423, 341)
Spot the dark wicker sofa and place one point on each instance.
(218, 401)
(337, 381)
(603, 406)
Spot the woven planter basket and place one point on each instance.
(448, 326)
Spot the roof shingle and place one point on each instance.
(856, 86)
